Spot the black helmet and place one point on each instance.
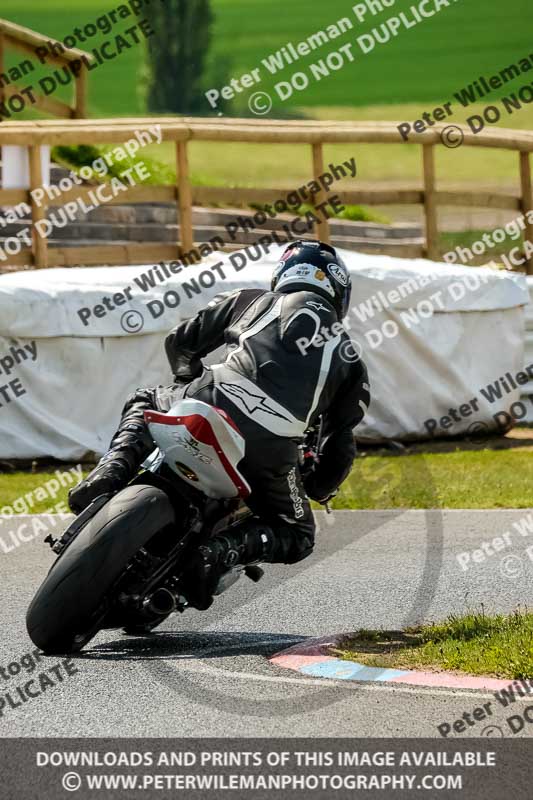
(314, 267)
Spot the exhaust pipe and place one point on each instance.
(161, 602)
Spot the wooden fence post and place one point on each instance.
(527, 202)
(2, 65)
(322, 227)
(184, 197)
(38, 213)
(80, 106)
(430, 205)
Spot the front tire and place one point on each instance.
(66, 611)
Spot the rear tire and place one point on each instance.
(67, 610)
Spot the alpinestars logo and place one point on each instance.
(251, 402)
(294, 494)
(318, 306)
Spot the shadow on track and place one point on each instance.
(189, 645)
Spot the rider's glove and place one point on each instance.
(187, 367)
(313, 491)
(324, 500)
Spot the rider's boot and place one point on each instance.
(130, 446)
(250, 542)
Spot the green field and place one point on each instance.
(420, 68)
(463, 479)
(425, 63)
(240, 164)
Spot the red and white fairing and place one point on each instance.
(202, 445)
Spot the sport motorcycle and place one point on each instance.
(122, 563)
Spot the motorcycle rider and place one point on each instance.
(287, 361)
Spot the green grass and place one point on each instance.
(463, 479)
(237, 164)
(451, 240)
(362, 214)
(427, 62)
(15, 487)
(477, 644)
(419, 69)
(289, 165)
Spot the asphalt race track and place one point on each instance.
(206, 674)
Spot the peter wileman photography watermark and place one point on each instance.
(132, 320)
(424, 309)
(10, 360)
(367, 309)
(261, 102)
(504, 699)
(35, 525)
(79, 37)
(97, 195)
(20, 690)
(513, 229)
(492, 393)
(453, 135)
(512, 564)
(491, 547)
(265, 769)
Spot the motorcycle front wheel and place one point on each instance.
(69, 606)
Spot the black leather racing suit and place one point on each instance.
(274, 386)
(273, 392)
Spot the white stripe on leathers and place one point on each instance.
(253, 401)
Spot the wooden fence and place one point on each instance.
(24, 40)
(311, 134)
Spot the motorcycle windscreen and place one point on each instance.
(202, 447)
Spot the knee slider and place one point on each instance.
(293, 547)
(303, 549)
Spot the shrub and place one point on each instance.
(85, 155)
